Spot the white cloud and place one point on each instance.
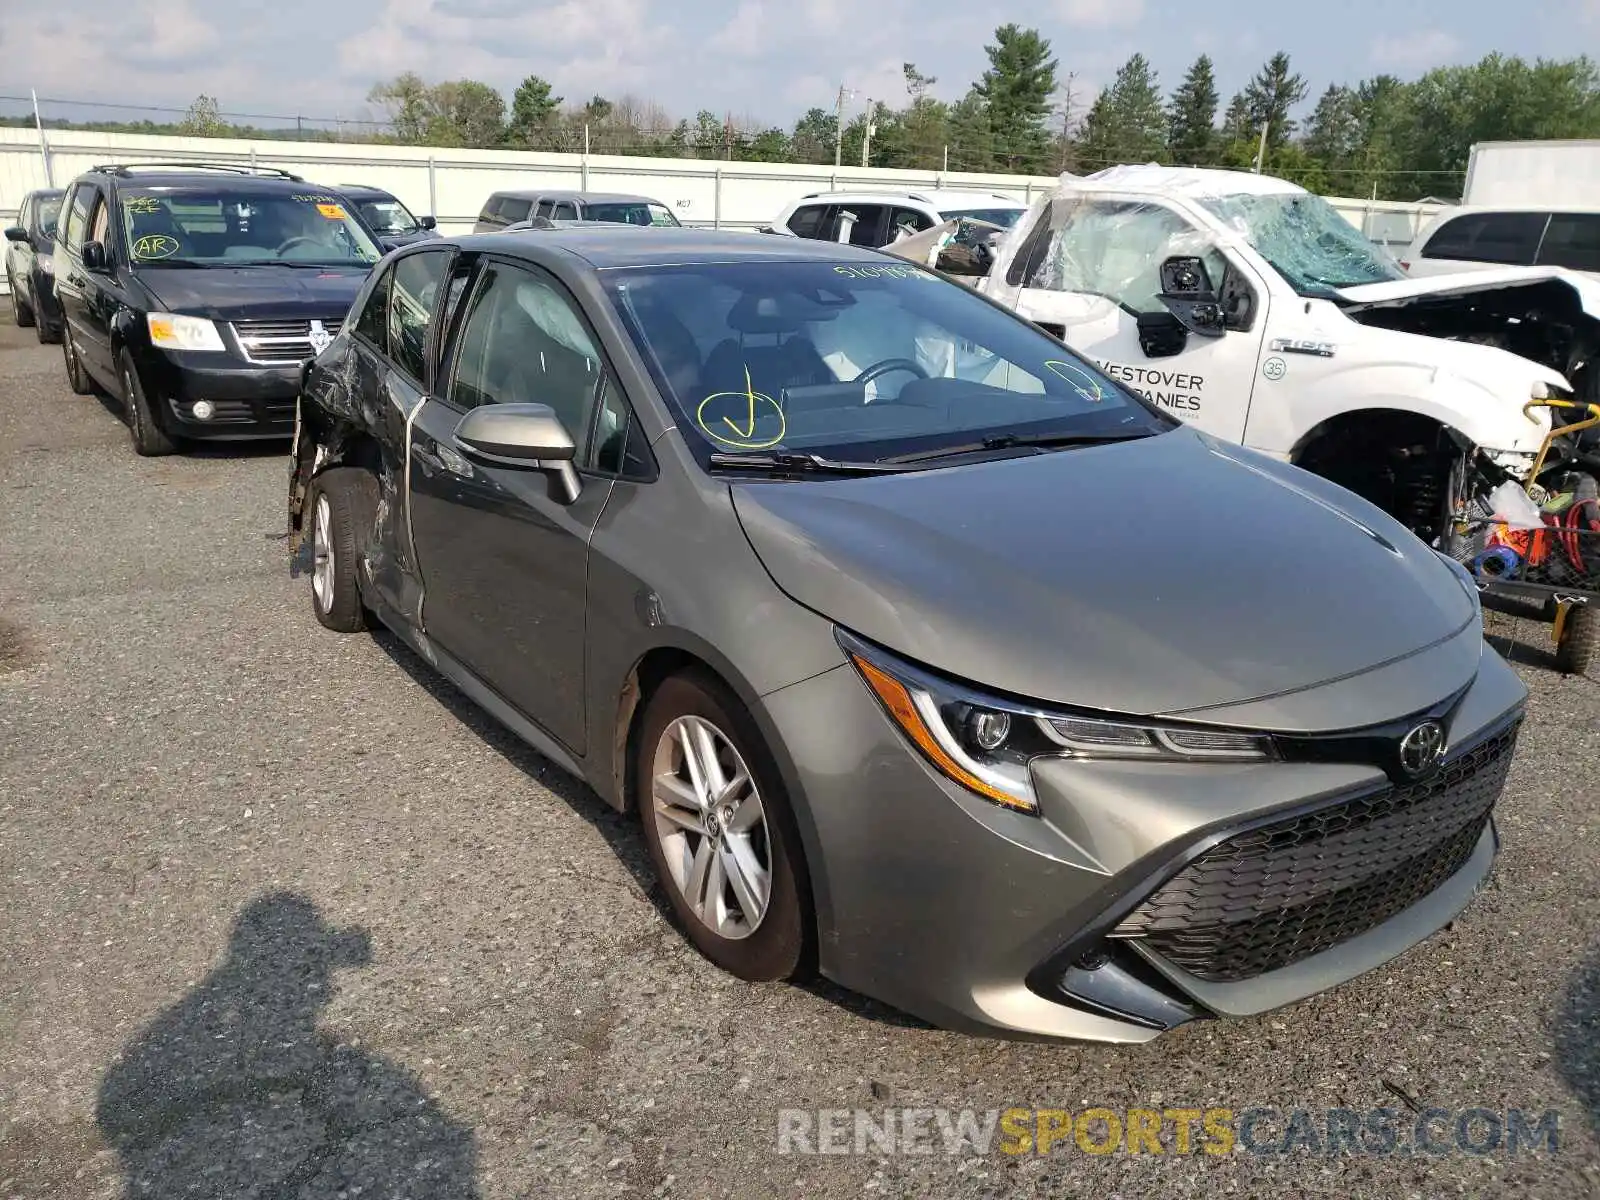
(1100, 14)
(1418, 51)
(746, 33)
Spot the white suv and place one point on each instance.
(1478, 238)
(880, 218)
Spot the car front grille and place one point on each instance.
(1276, 894)
(280, 342)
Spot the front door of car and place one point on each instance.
(504, 557)
(1091, 273)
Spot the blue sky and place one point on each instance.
(765, 59)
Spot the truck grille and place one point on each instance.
(280, 342)
(1271, 896)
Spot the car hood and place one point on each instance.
(1158, 576)
(255, 293)
(1465, 283)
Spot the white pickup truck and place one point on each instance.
(1251, 308)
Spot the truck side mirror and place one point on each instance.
(1188, 293)
(427, 223)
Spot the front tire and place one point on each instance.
(720, 831)
(21, 313)
(1579, 650)
(149, 439)
(342, 503)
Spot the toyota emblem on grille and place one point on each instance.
(1422, 749)
(319, 337)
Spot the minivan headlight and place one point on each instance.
(170, 331)
(985, 743)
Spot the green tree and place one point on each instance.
(407, 101)
(1016, 90)
(770, 145)
(1270, 96)
(466, 112)
(919, 137)
(534, 114)
(813, 136)
(1333, 137)
(1192, 115)
(1126, 123)
(972, 136)
(202, 119)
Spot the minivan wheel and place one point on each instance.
(20, 312)
(149, 439)
(720, 832)
(77, 378)
(1579, 651)
(342, 501)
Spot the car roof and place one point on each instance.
(1456, 210)
(586, 197)
(933, 197)
(222, 179)
(365, 191)
(602, 245)
(1196, 182)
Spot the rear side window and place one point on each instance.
(1572, 240)
(414, 294)
(1510, 238)
(806, 221)
(513, 209)
(564, 212)
(491, 209)
(544, 208)
(865, 230)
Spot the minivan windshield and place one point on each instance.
(218, 226)
(629, 213)
(387, 217)
(1306, 241)
(857, 361)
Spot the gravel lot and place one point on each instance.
(280, 907)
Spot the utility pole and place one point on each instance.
(1261, 150)
(866, 140)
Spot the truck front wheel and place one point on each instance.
(1578, 651)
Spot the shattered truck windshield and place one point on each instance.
(1306, 241)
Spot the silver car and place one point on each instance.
(930, 657)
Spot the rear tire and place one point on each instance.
(48, 335)
(77, 378)
(20, 312)
(720, 831)
(341, 505)
(149, 439)
(1579, 651)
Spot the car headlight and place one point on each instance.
(985, 743)
(172, 332)
(47, 265)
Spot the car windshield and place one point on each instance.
(49, 210)
(1306, 241)
(387, 216)
(212, 226)
(630, 213)
(1004, 217)
(857, 361)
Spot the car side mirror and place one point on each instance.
(16, 234)
(427, 223)
(529, 436)
(95, 258)
(1188, 293)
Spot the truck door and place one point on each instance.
(1090, 272)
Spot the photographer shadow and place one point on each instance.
(234, 1091)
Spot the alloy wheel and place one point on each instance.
(712, 827)
(322, 552)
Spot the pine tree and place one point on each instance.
(1126, 123)
(1016, 91)
(1269, 97)
(1192, 116)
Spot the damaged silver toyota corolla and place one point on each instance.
(930, 656)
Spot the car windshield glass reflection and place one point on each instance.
(858, 361)
(1004, 217)
(204, 227)
(388, 216)
(49, 211)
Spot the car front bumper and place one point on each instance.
(978, 918)
(248, 401)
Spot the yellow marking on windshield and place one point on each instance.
(332, 211)
(744, 435)
(1082, 382)
(141, 204)
(155, 245)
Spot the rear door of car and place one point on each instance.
(1571, 240)
(504, 562)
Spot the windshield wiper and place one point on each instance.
(789, 461)
(1009, 441)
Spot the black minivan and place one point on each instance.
(30, 264)
(193, 292)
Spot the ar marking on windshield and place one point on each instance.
(744, 433)
(1082, 382)
(155, 245)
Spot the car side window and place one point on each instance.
(806, 221)
(1509, 238)
(908, 221)
(866, 228)
(1572, 240)
(78, 216)
(413, 297)
(25, 215)
(372, 324)
(513, 209)
(523, 342)
(491, 208)
(564, 211)
(620, 447)
(544, 208)
(100, 222)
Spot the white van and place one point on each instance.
(1249, 307)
